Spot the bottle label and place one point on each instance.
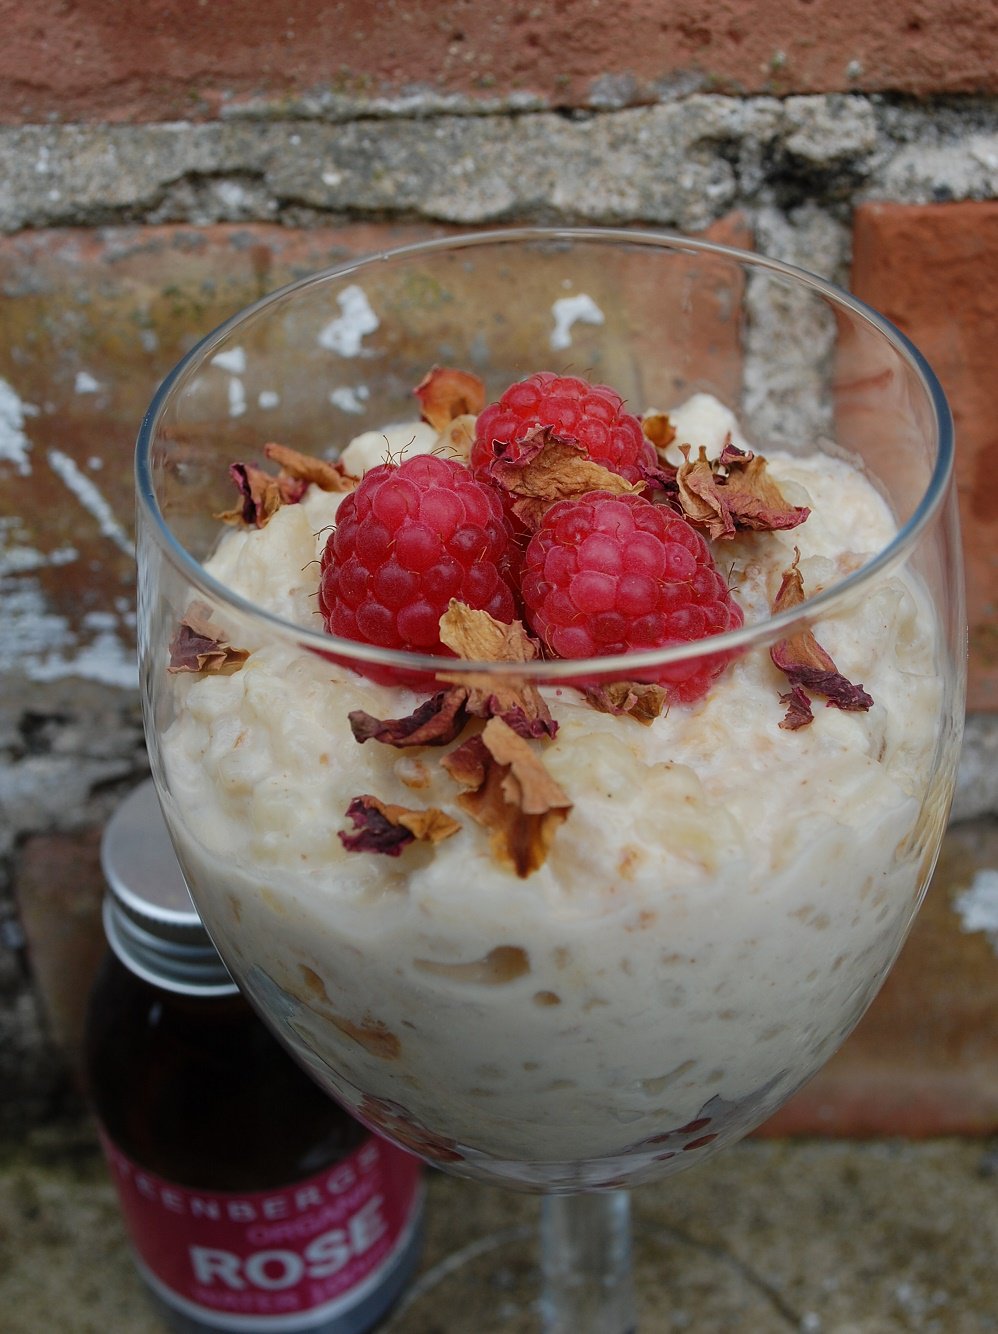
(285, 1259)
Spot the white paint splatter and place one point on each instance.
(94, 463)
(569, 310)
(14, 444)
(30, 629)
(19, 560)
(233, 360)
(100, 620)
(267, 398)
(345, 333)
(86, 384)
(91, 499)
(237, 397)
(978, 906)
(40, 644)
(104, 659)
(350, 399)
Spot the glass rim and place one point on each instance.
(559, 669)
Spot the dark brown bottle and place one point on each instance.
(253, 1201)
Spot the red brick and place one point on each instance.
(933, 270)
(123, 305)
(59, 887)
(924, 1059)
(171, 59)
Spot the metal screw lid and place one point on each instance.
(150, 919)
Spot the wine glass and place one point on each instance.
(611, 984)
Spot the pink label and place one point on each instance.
(313, 1247)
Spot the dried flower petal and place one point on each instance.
(643, 702)
(512, 794)
(308, 469)
(383, 827)
(262, 492)
(478, 637)
(700, 495)
(533, 728)
(658, 429)
(196, 646)
(436, 722)
(754, 500)
(660, 476)
(445, 393)
(799, 712)
(467, 764)
(803, 659)
(543, 468)
(732, 494)
(731, 455)
(261, 496)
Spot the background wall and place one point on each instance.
(162, 164)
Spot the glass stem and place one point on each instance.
(586, 1283)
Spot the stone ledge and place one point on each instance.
(681, 164)
(880, 1238)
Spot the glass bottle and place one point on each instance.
(252, 1201)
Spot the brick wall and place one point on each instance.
(162, 165)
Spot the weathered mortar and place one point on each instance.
(681, 164)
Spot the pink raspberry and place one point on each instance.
(614, 574)
(407, 540)
(591, 414)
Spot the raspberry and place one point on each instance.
(613, 574)
(591, 414)
(407, 540)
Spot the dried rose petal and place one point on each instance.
(798, 704)
(308, 469)
(700, 495)
(445, 393)
(543, 468)
(511, 794)
(731, 455)
(196, 646)
(754, 500)
(261, 496)
(478, 637)
(658, 429)
(436, 722)
(802, 658)
(531, 728)
(383, 827)
(734, 493)
(642, 702)
(468, 763)
(660, 477)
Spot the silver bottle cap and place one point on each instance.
(150, 919)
